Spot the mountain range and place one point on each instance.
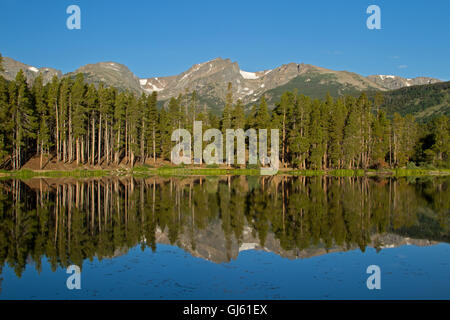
(210, 80)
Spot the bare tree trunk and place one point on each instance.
(99, 140)
(142, 142)
(78, 150)
(93, 141)
(82, 150)
(154, 145)
(116, 156)
(58, 143)
(42, 154)
(106, 142)
(126, 141)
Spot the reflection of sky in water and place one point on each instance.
(408, 272)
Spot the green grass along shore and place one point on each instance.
(142, 171)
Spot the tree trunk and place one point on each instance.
(78, 150)
(93, 141)
(58, 143)
(99, 140)
(154, 145)
(106, 142)
(142, 142)
(42, 154)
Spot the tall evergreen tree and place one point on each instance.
(5, 120)
(91, 102)
(23, 117)
(336, 134)
(227, 114)
(43, 137)
(380, 138)
(79, 116)
(441, 135)
(352, 133)
(152, 128)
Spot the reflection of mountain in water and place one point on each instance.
(212, 247)
(68, 220)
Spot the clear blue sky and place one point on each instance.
(165, 37)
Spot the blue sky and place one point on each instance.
(166, 37)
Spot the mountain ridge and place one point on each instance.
(210, 80)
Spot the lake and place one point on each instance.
(226, 237)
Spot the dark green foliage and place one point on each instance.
(75, 122)
(425, 102)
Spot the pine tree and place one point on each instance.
(43, 138)
(193, 106)
(106, 97)
(262, 118)
(91, 101)
(441, 137)
(132, 118)
(174, 117)
(351, 142)
(251, 119)
(52, 106)
(5, 120)
(165, 132)
(336, 134)
(326, 113)
(282, 115)
(238, 116)
(227, 114)
(316, 136)
(64, 118)
(144, 120)
(119, 125)
(79, 115)
(299, 142)
(23, 118)
(152, 129)
(380, 138)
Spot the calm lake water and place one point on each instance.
(225, 237)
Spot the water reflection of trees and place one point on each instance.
(68, 221)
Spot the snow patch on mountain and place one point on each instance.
(33, 69)
(248, 246)
(152, 88)
(386, 77)
(248, 75)
(112, 66)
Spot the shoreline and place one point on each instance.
(192, 171)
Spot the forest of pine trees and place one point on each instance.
(73, 122)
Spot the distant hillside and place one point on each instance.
(111, 74)
(317, 84)
(425, 102)
(11, 68)
(392, 82)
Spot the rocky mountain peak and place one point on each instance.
(392, 82)
(12, 67)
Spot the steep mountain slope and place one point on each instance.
(424, 101)
(110, 73)
(395, 82)
(12, 67)
(316, 82)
